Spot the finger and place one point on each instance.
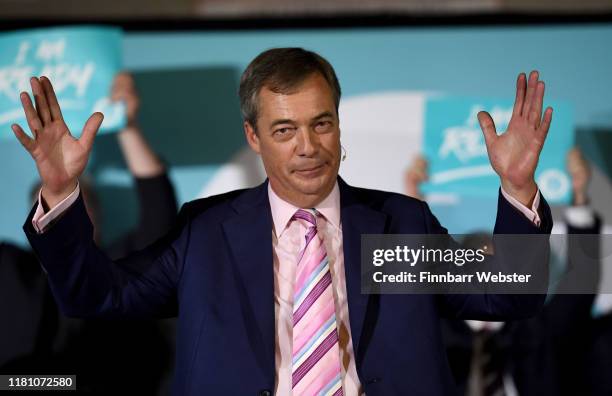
(520, 94)
(90, 129)
(122, 82)
(417, 174)
(572, 155)
(54, 107)
(488, 127)
(571, 159)
(421, 175)
(31, 115)
(545, 125)
(124, 79)
(535, 113)
(41, 101)
(26, 141)
(529, 95)
(418, 165)
(576, 163)
(423, 170)
(420, 161)
(118, 94)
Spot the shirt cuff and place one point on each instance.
(531, 214)
(41, 220)
(478, 325)
(580, 216)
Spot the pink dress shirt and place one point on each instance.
(288, 240)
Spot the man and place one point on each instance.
(266, 281)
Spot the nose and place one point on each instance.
(307, 143)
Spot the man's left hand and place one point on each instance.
(514, 154)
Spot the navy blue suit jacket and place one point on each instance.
(215, 271)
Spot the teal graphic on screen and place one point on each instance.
(81, 63)
(458, 163)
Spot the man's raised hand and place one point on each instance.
(60, 158)
(514, 154)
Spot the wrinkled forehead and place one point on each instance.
(304, 102)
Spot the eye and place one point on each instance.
(323, 126)
(283, 133)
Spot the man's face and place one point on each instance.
(298, 138)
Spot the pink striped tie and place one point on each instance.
(316, 355)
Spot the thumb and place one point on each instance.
(91, 129)
(488, 127)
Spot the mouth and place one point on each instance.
(311, 171)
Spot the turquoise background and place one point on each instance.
(476, 196)
(442, 114)
(84, 48)
(190, 108)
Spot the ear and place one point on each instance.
(251, 137)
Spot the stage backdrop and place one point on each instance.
(80, 61)
(390, 78)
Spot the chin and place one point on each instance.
(313, 186)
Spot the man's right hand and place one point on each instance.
(60, 158)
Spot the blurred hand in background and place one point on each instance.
(415, 175)
(124, 89)
(580, 171)
(139, 156)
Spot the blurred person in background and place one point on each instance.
(544, 355)
(135, 354)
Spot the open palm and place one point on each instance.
(60, 158)
(514, 154)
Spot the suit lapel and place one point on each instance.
(357, 218)
(249, 237)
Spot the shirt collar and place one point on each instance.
(283, 211)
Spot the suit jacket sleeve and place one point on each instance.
(496, 306)
(86, 283)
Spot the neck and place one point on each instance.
(301, 200)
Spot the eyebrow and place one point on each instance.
(282, 121)
(292, 122)
(323, 115)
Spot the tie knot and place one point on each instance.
(306, 215)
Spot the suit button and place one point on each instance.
(265, 393)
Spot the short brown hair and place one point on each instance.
(282, 70)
